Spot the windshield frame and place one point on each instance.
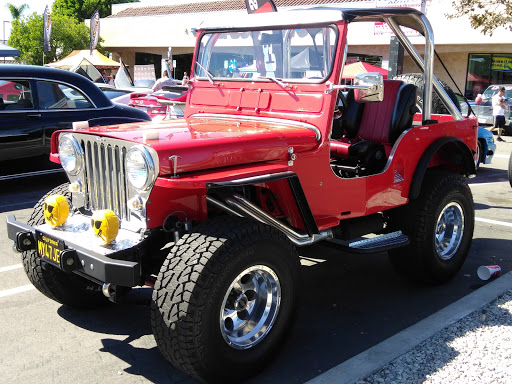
(204, 50)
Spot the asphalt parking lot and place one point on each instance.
(349, 303)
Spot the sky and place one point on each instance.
(34, 6)
(37, 6)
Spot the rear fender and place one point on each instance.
(448, 152)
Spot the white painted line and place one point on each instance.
(504, 223)
(486, 184)
(501, 156)
(11, 268)
(13, 291)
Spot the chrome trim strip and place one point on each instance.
(318, 134)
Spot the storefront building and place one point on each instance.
(142, 33)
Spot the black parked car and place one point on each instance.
(36, 101)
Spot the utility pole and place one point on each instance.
(4, 41)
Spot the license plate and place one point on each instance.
(49, 248)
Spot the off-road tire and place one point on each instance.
(438, 106)
(194, 283)
(66, 288)
(423, 259)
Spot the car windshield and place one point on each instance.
(302, 55)
(493, 89)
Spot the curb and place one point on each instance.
(373, 359)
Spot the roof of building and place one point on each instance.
(213, 6)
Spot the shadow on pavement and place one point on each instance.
(348, 304)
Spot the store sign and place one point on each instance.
(382, 28)
(399, 4)
(503, 64)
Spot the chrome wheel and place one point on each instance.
(250, 307)
(449, 230)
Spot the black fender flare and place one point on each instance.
(466, 162)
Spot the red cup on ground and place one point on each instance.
(485, 272)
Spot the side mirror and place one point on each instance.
(369, 87)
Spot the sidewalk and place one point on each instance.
(469, 341)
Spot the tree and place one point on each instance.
(486, 15)
(83, 9)
(17, 12)
(67, 34)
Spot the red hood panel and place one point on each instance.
(204, 143)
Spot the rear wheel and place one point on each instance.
(225, 298)
(440, 226)
(66, 288)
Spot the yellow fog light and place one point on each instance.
(105, 224)
(56, 210)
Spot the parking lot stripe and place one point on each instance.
(11, 268)
(486, 184)
(504, 223)
(13, 291)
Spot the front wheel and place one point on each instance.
(66, 288)
(224, 299)
(440, 226)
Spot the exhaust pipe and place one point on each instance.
(243, 205)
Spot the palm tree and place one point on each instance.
(17, 12)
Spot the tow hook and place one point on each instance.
(109, 290)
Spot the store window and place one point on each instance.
(485, 69)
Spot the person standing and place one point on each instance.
(498, 111)
(185, 79)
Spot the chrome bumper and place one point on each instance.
(115, 263)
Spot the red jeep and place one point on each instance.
(209, 209)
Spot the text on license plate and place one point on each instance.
(49, 249)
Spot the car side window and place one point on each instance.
(59, 96)
(15, 95)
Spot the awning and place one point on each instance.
(75, 58)
(6, 51)
(353, 69)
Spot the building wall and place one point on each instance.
(154, 34)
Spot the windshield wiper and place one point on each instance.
(275, 80)
(209, 75)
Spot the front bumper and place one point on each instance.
(116, 263)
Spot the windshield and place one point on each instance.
(493, 89)
(303, 55)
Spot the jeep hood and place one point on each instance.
(212, 142)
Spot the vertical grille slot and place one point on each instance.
(105, 186)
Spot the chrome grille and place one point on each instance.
(105, 181)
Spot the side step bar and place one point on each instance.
(376, 244)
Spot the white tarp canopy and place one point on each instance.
(6, 51)
(76, 57)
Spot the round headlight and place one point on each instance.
(139, 168)
(70, 154)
